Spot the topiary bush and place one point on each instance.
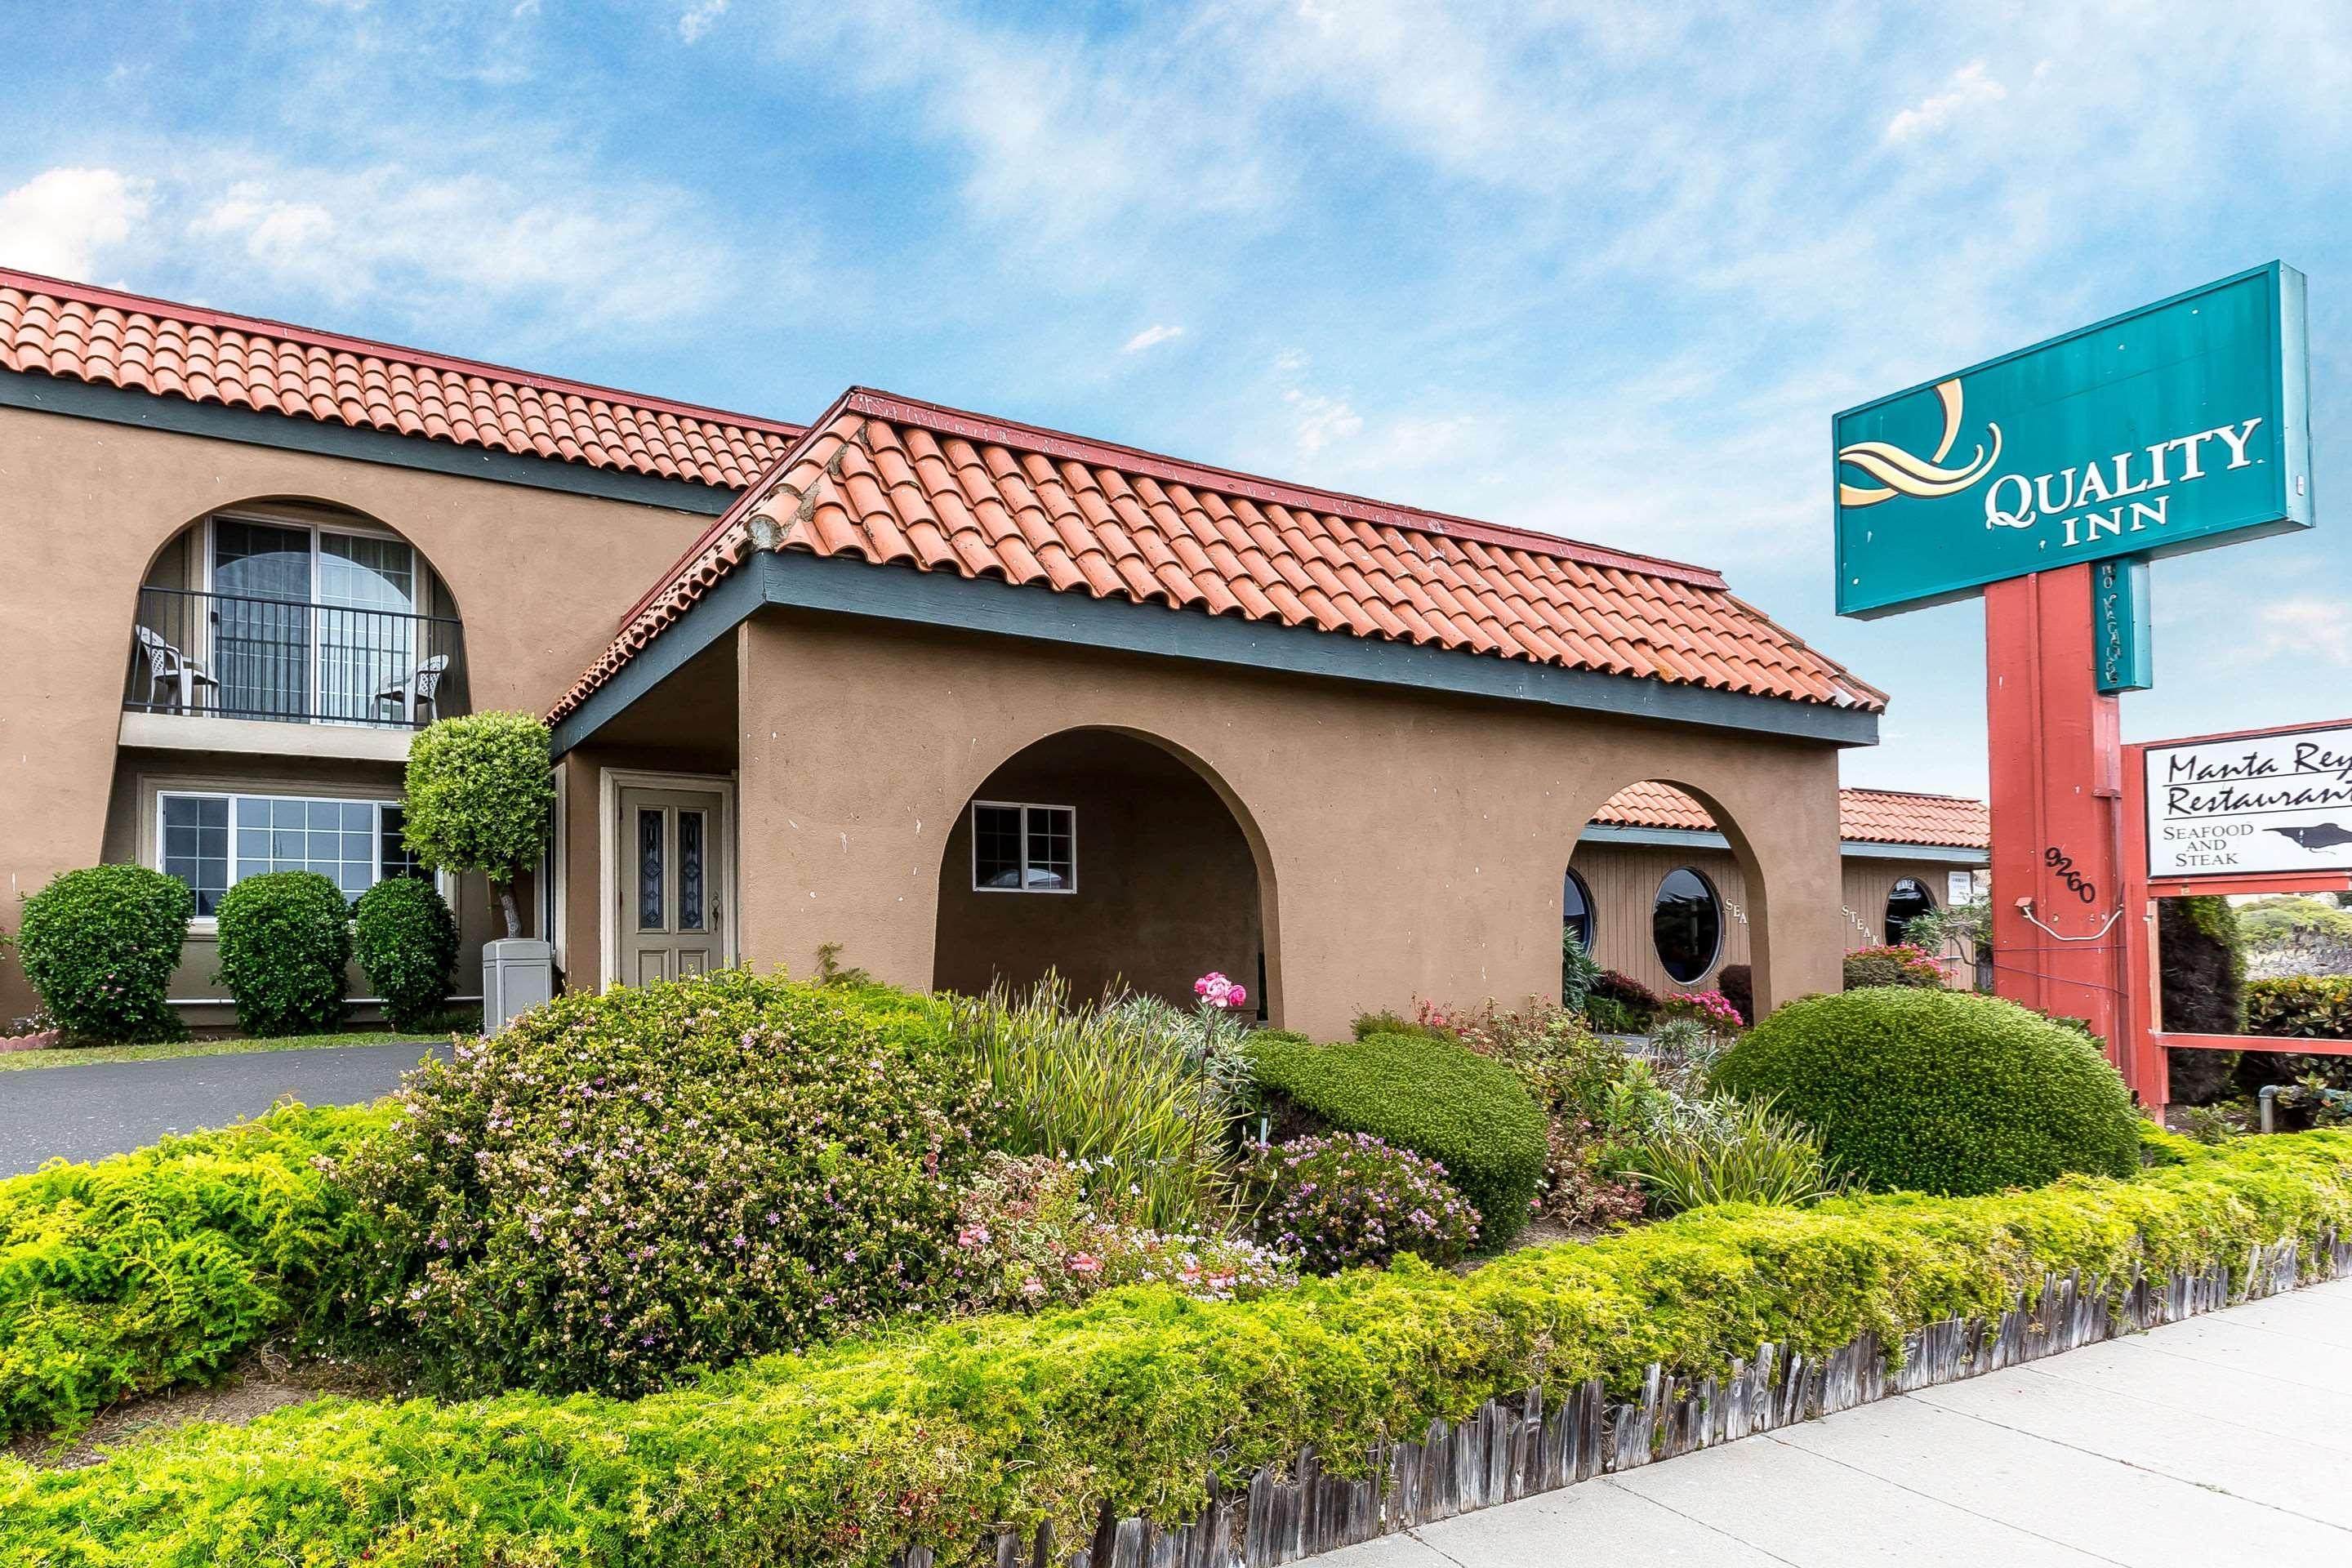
(101, 944)
(407, 939)
(1900, 965)
(1939, 1091)
(1432, 1096)
(285, 943)
(1347, 1198)
(622, 1186)
(477, 799)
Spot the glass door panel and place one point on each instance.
(367, 591)
(260, 620)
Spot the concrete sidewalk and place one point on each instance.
(2224, 1440)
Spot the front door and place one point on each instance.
(673, 886)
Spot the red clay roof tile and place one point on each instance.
(106, 337)
(1865, 815)
(1120, 523)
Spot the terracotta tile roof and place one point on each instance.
(1865, 815)
(85, 333)
(895, 483)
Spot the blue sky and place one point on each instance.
(1605, 271)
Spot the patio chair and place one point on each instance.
(169, 670)
(418, 691)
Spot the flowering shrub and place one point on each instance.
(1570, 1073)
(1348, 1198)
(1619, 1004)
(1028, 1235)
(1711, 1008)
(1900, 964)
(622, 1186)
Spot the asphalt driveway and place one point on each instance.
(107, 1108)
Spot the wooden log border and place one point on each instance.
(1516, 1446)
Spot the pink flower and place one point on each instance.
(1085, 1263)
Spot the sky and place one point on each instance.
(1605, 271)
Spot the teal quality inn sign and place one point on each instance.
(2175, 427)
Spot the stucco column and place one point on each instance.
(843, 813)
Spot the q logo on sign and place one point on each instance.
(1900, 473)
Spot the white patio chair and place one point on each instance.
(169, 670)
(418, 691)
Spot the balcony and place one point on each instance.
(206, 668)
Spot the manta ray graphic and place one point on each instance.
(2317, 836)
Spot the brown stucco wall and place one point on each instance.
(540, 576)
(1167, 885)
(1407, 843)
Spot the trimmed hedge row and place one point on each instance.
(1431, 1095)
(165, 1265)
(944, 1435)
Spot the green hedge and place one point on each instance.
(99, 945)
(1137, 1398)
(1938, 1091)
(165, 1264)
(1432, 1096)
(285, 942)
(2311, 1006)
(407, 939)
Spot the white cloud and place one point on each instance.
(433, 247)
(2308, 630)
(1151, 337)
(697, 18)
(1969, 87)
(1320, 420)
(64, 221)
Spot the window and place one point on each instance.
(1686, 924)
(1023, 849)
(214, 841)
(1576, 910)
(1907, 901)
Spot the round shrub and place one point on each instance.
(1433, 1096)
(101, 944)
(620, 1186)
(1348, 1198)
(407, 941)
(1939, 1091)
(285, 942)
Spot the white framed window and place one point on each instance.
(1018, 847)
(214, 839)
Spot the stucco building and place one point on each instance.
(962, 695)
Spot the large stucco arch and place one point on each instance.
(1236, 812)
(1756, 879)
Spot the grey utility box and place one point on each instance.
(518, 975)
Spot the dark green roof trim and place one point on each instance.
(1880, 849)
(846, 585)
(259, 427)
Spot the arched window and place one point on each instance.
(1576, 910)
(1686, 924)
(1907, 901)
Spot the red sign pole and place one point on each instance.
(2057, 778)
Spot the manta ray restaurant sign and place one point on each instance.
(2279, 801)
(2177, 426)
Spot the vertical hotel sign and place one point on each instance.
(2175, 427)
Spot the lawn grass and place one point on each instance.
(80, 1056)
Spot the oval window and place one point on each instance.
(1686, 925)
(1576, 910)
(1907, 901)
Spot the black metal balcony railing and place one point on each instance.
(234, 656)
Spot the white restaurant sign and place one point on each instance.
(2259, 804)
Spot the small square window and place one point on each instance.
(1023, 849)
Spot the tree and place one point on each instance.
(478, 799)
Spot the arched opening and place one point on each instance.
(1668, 886)
(1108, 859)
(1907, 901)
(295, 612)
